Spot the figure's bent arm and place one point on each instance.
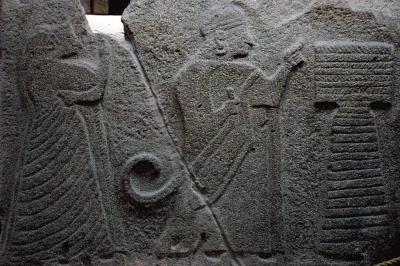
(74, 97)
(293, 59)
(280, 78)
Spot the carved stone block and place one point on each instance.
(217, 133)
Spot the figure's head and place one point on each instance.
(225, 30)
(42, 63)
(52, 42)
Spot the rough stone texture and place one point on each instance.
(220, 133)
(87, 6)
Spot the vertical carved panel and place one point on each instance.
(58, 207)
(356, 76)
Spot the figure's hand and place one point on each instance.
(69, 97)
(232, 106)
(77, 97)
(294, 57)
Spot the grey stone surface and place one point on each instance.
(86, 4)
(219, 133)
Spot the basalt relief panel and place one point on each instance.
(358, 77)
(218, 133)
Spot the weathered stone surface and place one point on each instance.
(219, 133)
(87, 6)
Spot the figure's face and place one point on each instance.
(233, 43)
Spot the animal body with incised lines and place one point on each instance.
(57, 211)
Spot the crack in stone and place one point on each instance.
(146, 79)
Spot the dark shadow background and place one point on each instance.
(116, 7)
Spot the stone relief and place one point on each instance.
(60, 194)
(218, 133)
(358, 77)
(228, 110)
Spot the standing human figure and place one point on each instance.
(229, 113)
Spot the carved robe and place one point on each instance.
(58, 210)
(229, 150)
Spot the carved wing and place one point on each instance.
(58, 208)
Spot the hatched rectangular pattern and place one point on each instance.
(355, 206)
(353, 71)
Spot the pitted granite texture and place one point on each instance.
(217, 133)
